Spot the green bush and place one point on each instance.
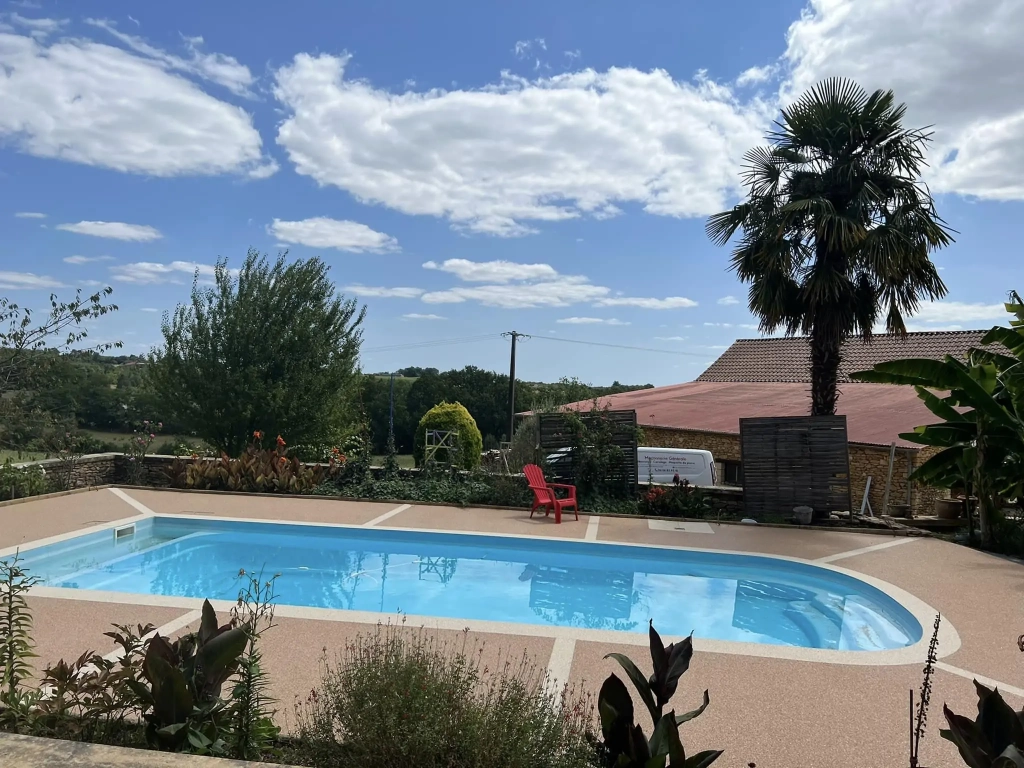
(450, 417)
(398, 697)
(19, 482)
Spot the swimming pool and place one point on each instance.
(588, 585)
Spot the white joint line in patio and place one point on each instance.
(1003, 687)
(386, 516)
(949, 638)
(166, 630)
(865, 550)
(36, 543)
(560, 663)
(592, 523)
(138, 505)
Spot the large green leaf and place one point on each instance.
(686, 717)
(979, 383)
(1012, 339)
(1010, 758)
(999, 723)
(703, 759)
(614, 705)
(639, 682)
(970, 741)
(660, 744)
(938, 405)
(172, 702)
(222, 651)
(938, 374)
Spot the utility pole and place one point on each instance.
(514, 335)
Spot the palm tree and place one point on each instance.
(837, 226)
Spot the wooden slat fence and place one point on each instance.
(555, 435)
(794, 461)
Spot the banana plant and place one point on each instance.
(624, 740)
(980, 401)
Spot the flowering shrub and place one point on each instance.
(677, 500)
(258, 469)
(139, 444)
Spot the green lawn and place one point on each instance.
(405, 461)
(19, 456)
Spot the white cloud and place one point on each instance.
(86, 102)
(591, 321)
(959, 312)
(148, 309)
(718, 325)
(501, 158)
(114, 230)
(672, 302)
(29, 215)
(148, 272)
(418, 316)
(728, 301)
(380, 292)
(756, 75)
(493, 271)
(28, 281)
(671, 338)
(37, 28)
(321, 232)
(86, 259)
(565, 291)
(215, 67)
(957, 67)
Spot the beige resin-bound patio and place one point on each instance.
(772, 705)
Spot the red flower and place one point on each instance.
(258, 435)
(280, 442)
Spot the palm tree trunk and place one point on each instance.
(825, 352)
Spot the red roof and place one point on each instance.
(875, 413)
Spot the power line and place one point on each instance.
(622, 346)
(433, 343)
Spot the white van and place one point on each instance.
(663, 464)
(695, 466)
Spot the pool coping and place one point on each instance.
(924, 614)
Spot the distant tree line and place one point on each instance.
(483, 393)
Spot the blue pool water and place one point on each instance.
(533, 581)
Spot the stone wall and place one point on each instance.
(865, 460)
(88, 471)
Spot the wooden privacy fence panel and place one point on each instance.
(555, 436)
(792, 461)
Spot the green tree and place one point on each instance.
(981, 404)
(32, 364)
(837, 226)
(451, 417)
(273, 349)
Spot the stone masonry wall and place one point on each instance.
(91, 470)
(865, 460)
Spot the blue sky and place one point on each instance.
(470, 168)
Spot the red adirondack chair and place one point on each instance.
(544, 494)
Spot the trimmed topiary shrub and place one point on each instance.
(450, 417)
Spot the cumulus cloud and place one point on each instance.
(384, 293)
(321, 232)
(728, 301)
(493, 271)
(148, 272)
(672, 302)
(86, 259)
(29, 215)
(114, 230)
(956, 65)
(959, 312)
(15, 281)
(591, 321)
(86, 102)
(502, 158)
(418, 316)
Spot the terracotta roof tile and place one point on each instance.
(788, 359)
